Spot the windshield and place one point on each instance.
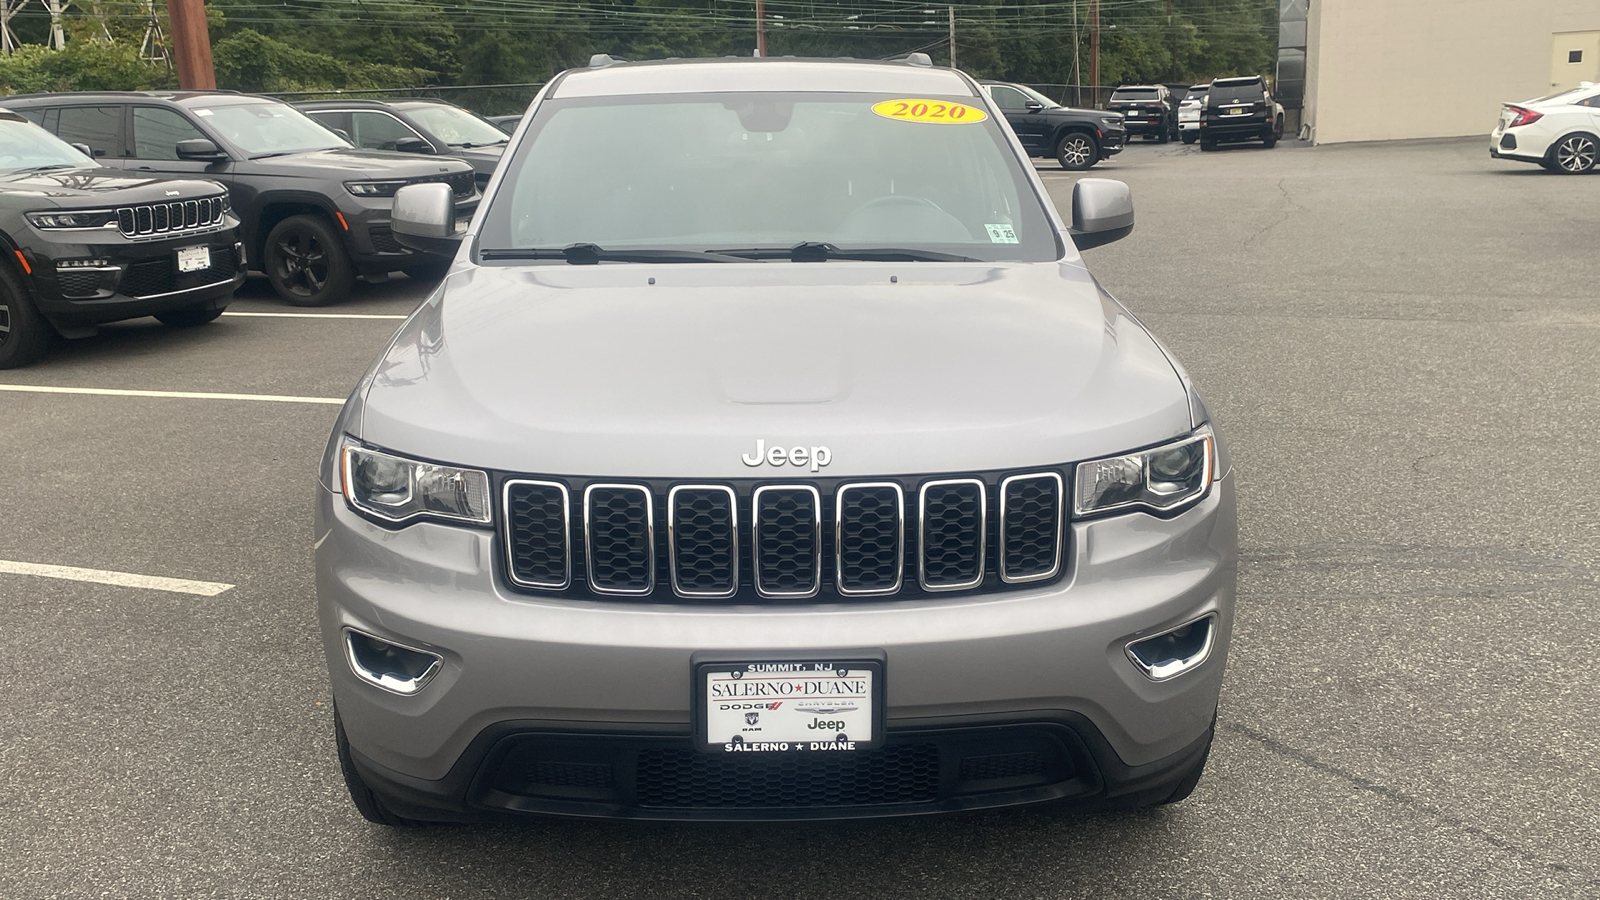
(744, 171)
(454, 126)
(1231, 93)
(24, 145)
(1197, 93)
(1048, 103)
(1135, 94)
(269, 128)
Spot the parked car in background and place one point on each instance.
(415, 126)
(1147, 109)
(314, 210)
(85, 244)
(1560, 132)
(1240, 109)
(507, 124)
(1076, 138)
(1189, 112)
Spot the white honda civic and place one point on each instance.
(1560, 132)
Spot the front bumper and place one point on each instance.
(612, 679)
(132, 278)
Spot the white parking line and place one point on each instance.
(121, 579)
(179, 395)
(272, 315)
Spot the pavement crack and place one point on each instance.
(1401, 798)
(1282, 217)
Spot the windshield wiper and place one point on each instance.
(51, 167)
(471, 146)
(821, 251)
(591, 254)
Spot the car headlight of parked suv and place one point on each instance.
(396, 489)
(1162, 479)
(374, 188)
(80, 218)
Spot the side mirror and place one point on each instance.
(344, 135)
(413, 145)
(86, 150)
(424, 219)
(1033, 106)
(1102, 212)
(200, 149)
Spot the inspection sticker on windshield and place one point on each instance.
(1001, 234)
(936, 112)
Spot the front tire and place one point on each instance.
(307, 263)
(366, 802)
(1077, 152)
(190, 316)
(1574, 154)
(25, 336)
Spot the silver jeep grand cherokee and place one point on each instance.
(794, 467)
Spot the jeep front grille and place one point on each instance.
(161, 219)
(748, 541)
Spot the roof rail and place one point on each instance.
(601, 60)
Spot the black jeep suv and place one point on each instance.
(315, 210)
(1240, 109)
(1077, 138)
(415, 126)
(84, 244)
(1149, 110)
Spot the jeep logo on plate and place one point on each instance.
(794, 456)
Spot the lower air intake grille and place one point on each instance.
(953, 530)
(685, 779)
(788, 541)
(619, 539)
(1005, 765)
(539, 546)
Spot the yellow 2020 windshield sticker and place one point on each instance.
(935, 112)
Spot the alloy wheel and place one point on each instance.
(1576, 153)
(302, 263)
(1076, 151)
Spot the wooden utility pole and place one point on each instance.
(952, 37)
(761, 28)
(1094, 49)
(191, 45)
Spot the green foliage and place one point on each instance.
(84, 65)
(250, 61)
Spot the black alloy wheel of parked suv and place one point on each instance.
(314, 210)
(83, 244)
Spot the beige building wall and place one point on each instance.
(1387, 69)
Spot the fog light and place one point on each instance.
(393, 667)
(1171, 653)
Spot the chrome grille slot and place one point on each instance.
(619, 539)
(166, 218)
(952, 534)
(869, 538)
(539, 534)
(787, 545)
(703, 534)
(1030, 527)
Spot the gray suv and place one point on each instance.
(796, 469)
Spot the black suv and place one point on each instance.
(84, 245)
(1240, 109)
(315, 211)
(1149, 109)
(1077, 138)
(415, 126)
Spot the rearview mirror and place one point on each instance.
(200, 149)
(424, 218)
(1102, 212)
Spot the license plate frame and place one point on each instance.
(193, 259)
(721, 724)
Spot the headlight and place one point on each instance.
(84, 218)
(373, 188)
(1160, 479)
(396, 489)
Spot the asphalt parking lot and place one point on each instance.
(1399, 341)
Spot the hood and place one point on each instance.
(483, 160)
(346, 163)
(95, 183)
(592, 370)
